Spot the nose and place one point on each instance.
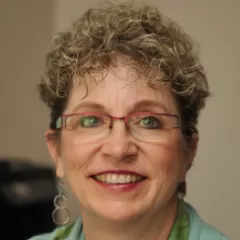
(119, 145)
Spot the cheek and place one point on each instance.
(76, 155)
(167, 158)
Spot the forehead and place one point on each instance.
(119, 89)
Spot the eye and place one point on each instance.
(90, 121)
(150, 122)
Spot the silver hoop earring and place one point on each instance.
(60, 214)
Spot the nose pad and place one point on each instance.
(119, 145)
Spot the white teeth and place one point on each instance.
(118, 178)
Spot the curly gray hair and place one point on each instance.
(139, 31)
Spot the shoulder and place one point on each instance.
(210, 232)
(199, 229)
(72, 232)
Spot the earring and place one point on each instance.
(182, 212)
(60, 214)
(182, 190)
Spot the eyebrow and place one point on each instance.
(89, 105)
(143, 104)
(149, 104)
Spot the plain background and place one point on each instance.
(27, 27)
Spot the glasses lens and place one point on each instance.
(88, 126)
(152, 126)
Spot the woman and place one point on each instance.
(125, 89)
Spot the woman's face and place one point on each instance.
(80, 161)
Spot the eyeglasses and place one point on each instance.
(141, 125)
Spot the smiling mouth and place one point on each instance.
(118, 178)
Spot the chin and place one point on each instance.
(117, 211)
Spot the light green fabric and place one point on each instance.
(63, 233)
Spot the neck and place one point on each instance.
(151, 226)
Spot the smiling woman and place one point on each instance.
(125, 88)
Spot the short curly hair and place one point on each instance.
(139, 31)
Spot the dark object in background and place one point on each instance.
(26, 199)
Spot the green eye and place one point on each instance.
(89, 121)
(150, 122)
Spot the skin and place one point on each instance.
(146, 212)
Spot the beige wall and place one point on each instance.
(26, 28)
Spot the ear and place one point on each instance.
(189, 152)
(191, 148)
(53, 144)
